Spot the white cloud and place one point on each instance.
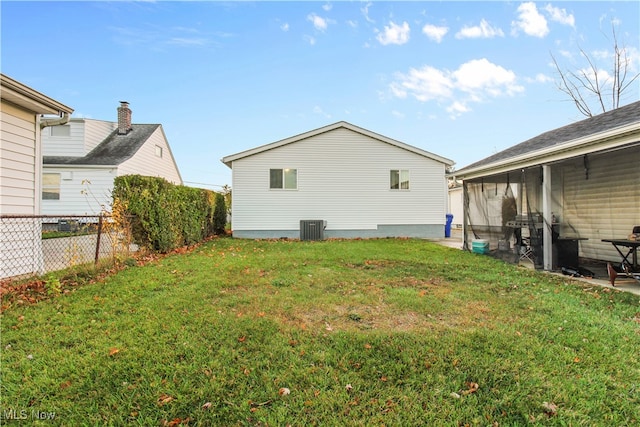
(284, 27)
(543, 78)
(319, 23)
(457, 108)
(397, 114)
(311, 40)
(434, 32)
(394, 33)
(480, 75)
(424, 84)
(530, 21)
(318, 110)
(474, 81)
(365, 12)
(560, 15)
(352, 23)
(327, 7)
(484, 30)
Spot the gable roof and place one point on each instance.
(568, 139)
(228, 160)
(114, 150)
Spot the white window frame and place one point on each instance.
(284, 180)
(52, 188)
(158, 151)
(400, 174)
(55, 131)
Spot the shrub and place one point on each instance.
(166, 216)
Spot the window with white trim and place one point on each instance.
(50, 186)
(158, 151)
(286, 179)
(62, 130)
(399, 179)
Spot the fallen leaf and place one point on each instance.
(242, 338)
(65, 384)
(114, 351)
(454, 395)
(550, 409)
(164, 399)
(367, 346)
(473, 387)
(349, 387)
(284, 391)
(206, 405)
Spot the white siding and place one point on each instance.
(343, 178)
(456, 206)
(83, 191)
(96, 131)
(18, 161)
(85, 135)
(146, 162)
(20, 244)
(607, 204)
(72, 145)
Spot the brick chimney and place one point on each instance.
(124, 118)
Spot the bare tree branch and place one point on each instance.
(588, 85)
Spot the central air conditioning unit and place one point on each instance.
(312, 229)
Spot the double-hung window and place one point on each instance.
(399, 179)
(50, 186)
(286, 179)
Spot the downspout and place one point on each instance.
(54, 122)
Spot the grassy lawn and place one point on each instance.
(361, 332)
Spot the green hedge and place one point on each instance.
(166, 216)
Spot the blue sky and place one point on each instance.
(459, 79)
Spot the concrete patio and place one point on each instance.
(601, 278)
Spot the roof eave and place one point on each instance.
(228, 160)
(608, 139)
(17, 93)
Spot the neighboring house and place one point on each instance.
(456, 203)
(361, 183)
(579, 183)
(82, 158)
(20, 173)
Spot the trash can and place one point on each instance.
(447, 227)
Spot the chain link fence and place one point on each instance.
(35, 245)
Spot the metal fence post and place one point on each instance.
(99, 237)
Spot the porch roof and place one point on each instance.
(610, 130)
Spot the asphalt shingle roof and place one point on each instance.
(114, 150)
(611, 119)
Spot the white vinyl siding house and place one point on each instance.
(21, 174)
(342, 176)
(146, 160)
(94, 154)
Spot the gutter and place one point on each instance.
(610, 138)
(55, 122)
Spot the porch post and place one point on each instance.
(465, 209)
(547, 239)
